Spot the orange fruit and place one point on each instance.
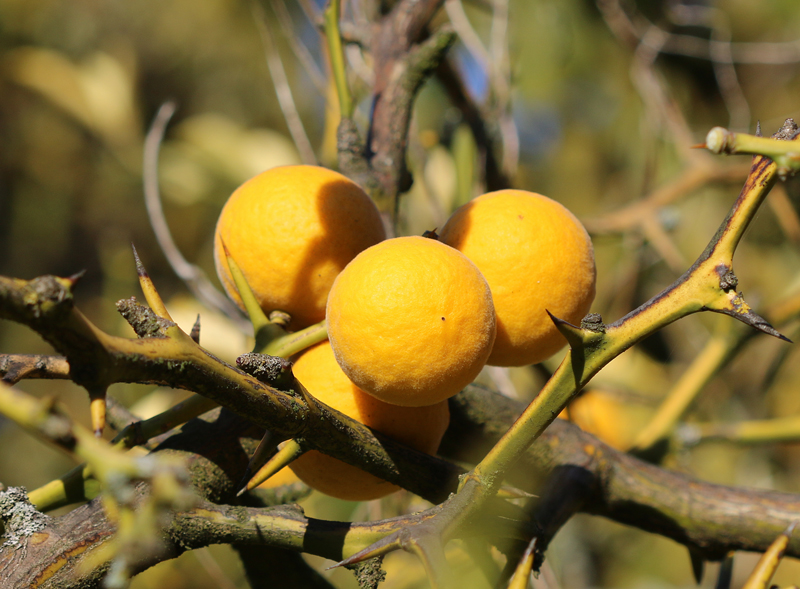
(420, 428)
(291, 230)
(411, 321)
(536, 256)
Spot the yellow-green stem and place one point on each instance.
(336, 51)
(290, 344)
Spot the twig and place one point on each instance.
(16, 367)
(485, 138)
(633, 28)
(690, 180)
(466, 32)
(331, 17)
(191, 275)
(785, 213)
(721, 58)
(302, 53)
(282, 89)
(500, 77)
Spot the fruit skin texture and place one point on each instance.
(420, 428)
(291, 230)
(411, 321)
(536, 256)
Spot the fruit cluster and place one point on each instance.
(411, 320)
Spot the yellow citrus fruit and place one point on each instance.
(291, 230)
(536, 256)
(411, 321)
(420, 428)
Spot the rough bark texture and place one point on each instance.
(572, 471)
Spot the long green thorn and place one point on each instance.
(289, 451)
(769, 561)
(149, 289)
(264, 330)
(524, 569)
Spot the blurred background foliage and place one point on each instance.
(585, 103)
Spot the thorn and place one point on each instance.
(725, 572)
(758, 129)
(524, 568)
(736, 307)
(225, 248)
(97, 410)
(698, 566)
(431, 234)
(195, 333)
(73, 280)
(140, 270)
(289, 451)
(510, 493)
(756, 321)
(379, 548)
(149, 289)
(699, 146)
(573, 333)
(257, 460)
(248, 298)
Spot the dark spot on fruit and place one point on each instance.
(442, 318)
(521, 216)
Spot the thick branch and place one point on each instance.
(97, 360)
(402, 63)
(709, 519)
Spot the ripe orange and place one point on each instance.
(420, 428)
(411, 321)
(535, 255)
(291, 230)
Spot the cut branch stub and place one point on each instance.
(143, 320)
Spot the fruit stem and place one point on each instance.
(290, 344)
